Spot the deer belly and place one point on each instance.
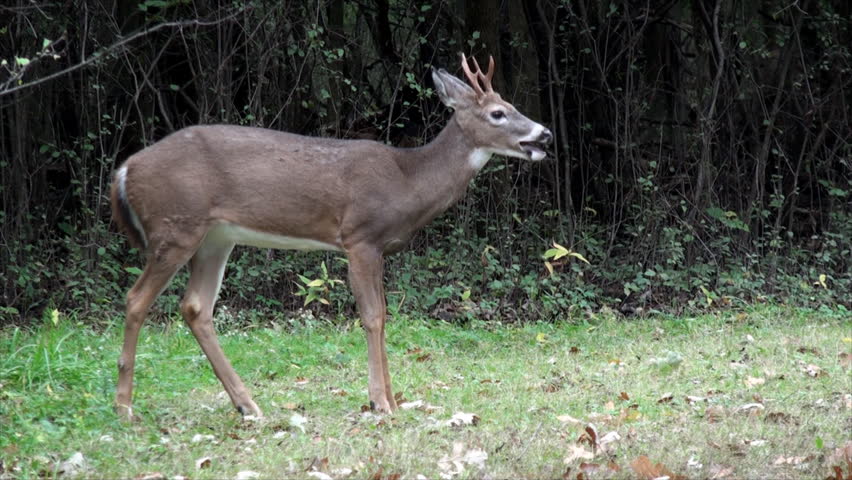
(230, 233)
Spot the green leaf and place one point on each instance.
(316, 283)
(133, 270)
(174, 87)
(101, 251)
(45, 43)
(22, 61)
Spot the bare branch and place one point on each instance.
(5, 88)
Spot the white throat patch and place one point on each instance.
(478, 158)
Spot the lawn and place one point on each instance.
(761, 393)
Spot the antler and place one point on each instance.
(475, 77)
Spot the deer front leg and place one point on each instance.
(365, 277)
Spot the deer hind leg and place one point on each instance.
(365, 277)
(207, 268)
(158, 271)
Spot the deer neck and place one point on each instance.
(439, 172)
(446, 164)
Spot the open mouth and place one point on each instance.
(534, 150)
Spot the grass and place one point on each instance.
(534, 389)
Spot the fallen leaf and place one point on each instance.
(411, 405)
(298, 421)
(754, 381)
(301, 381)
(755, 443)
(150, 476)
(695, 399)
(568, 419)
(339, 392)
(577, 452)
(782, 460)
(814, 370)
(751, 408)
(811, 350)
(609, 438)
(290, 406)
(720, 471)
(454, 464)
(75, 465)
(779, 417)
(203, 462)
(246, 475)
(649, 471)
(423, 358)
(460, 419)
(342, 472)
(320, 475)
(197, 438)
(665, 398)
(590, 436)
(624, 396)
(574, 350)
(714, 413)
(841, 455)
(845, 359)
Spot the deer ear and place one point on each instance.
(452, 91)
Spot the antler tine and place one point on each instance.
(490, 74)
(485, 77)
(471, 76)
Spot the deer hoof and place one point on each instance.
(125, 413)
(249, 409)
(382, 406)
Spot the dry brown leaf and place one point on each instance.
(841, 455)
(814, 370)
(423, 358)
(779, 417)
(590, 436)
(624, 396)
(695, 399)
(751, 408)
(460, 419)
(414, 350)
(301, 381)
(649, 471)
(568, 419)
(754, 381)
(574, 350)
(203, 462)
(845, 359)
(150, 476)
(665, 398)
(577, 452)
(609, 405)
(811, 350)
(795, 460)
(339, 392)
(720, 471)
(714, 413)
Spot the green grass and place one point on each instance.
(58, 384)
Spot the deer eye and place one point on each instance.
(498, 114)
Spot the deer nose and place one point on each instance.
(546, 137)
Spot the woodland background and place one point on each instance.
(702, 154)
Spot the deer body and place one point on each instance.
(198, 192)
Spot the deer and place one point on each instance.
(189, 198)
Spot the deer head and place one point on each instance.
(490, 122)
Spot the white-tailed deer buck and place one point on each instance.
(198, 192)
